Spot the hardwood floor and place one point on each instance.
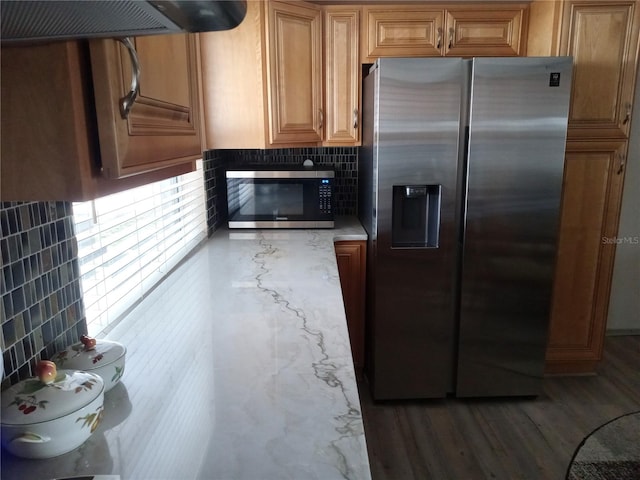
(503, 439)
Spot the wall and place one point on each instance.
(343, 159)
(624, 303)
(41, 310)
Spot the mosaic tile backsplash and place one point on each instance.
(343, 159)
(42, 310)
(214, 164)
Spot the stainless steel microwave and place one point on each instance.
(279, 198)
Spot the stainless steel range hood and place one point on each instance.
(60, 20)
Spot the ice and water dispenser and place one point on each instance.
(416, 216)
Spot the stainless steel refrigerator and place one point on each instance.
(460, 178)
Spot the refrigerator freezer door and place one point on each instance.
(416, 124)
(518, 124)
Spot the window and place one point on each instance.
(127, 242)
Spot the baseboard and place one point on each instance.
(571, 367)
(615, 332)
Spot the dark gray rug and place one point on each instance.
(610, 452)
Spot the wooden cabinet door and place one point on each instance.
(485, 32)
(294, 44)
(602, 37)
(163, 126)
(592, 190)
(46, 151)
(351, 257)
(402, 31)
(234, 84)
(342, 76)
(49, 139)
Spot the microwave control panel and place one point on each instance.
(325, 195)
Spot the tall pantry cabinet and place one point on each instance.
(602, 36)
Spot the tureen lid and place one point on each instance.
(32, 401)
(89, 354)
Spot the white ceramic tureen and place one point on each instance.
(102, 357)
(51, 414)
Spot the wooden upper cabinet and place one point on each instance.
(61, 132)
(294, 45)
(342, 76)
(234, 84)
(492, 32)
(402, 31)
(287, 76)
(162, 128)
(414, 30)
(602, 37)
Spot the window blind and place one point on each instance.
(128, 241)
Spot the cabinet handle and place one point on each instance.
(321, 118)
(439, 42)
(355, 118)
(129, 99)
(451, 32)
(621, 165)
(627, 117)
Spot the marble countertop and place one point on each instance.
(238, 367)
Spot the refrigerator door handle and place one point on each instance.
(464, 186)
